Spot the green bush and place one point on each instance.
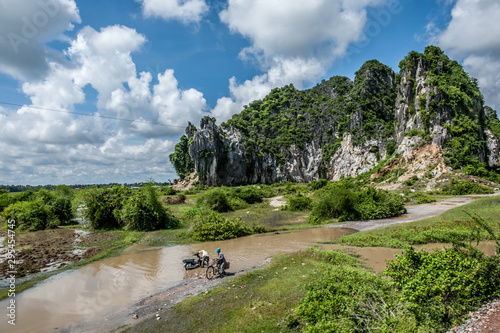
(237, 203)
(169, 191)
(250, 194)
(349, 203)
(298, 203)
(314, 220)
(442, 286)
(213, 227)
(317, 184)
(421, 198)
(103, 206)
(5, 201)
(29, 215)
(214, 199)
(61, 209)
(463, 188)
(144, 212)
(336, 203)
(373, 203)
(38, 210)
(190, 213)
(347, 298)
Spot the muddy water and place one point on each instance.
(100, 296)
(376, 257)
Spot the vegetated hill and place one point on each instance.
(341, 128)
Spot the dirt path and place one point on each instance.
(415, 213)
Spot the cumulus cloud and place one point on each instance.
(46, 140)
(293, 43)
(25, 28)
(472, 35)
(186, 11)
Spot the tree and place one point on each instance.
(143, 211)
(103, 206)
(180, 158)
(29, 215)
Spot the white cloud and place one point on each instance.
(298, 29)
(487, 70)
(186, 11)
(472, 35)
(25, 27)
(474, 27)
(293, 43)
(61, 147)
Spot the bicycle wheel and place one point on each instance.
(210, 274)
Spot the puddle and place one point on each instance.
(376, 257)
(100, 296)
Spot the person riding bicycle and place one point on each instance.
(221, 262)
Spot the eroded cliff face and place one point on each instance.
(347, 129)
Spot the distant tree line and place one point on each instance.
(50, 187)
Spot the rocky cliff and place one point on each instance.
(341, 128)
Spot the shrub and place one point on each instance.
(192, 212)
(314, 220)
(337, 203)
(214, 199)
(462, 188)
(5, 201)
(347, 203)
(169, 191)
(421, 198)
(373, 203)
(250, 194)
(346, 298)
(144, 212)
(236, 203)
(103, 206)
(29, 215)
(216, 227)
(442, 286)
(61, 209)
(298, 203)
(317, 184)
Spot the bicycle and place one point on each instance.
(214, 270)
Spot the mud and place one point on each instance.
(49, 250)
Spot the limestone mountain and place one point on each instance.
(341, 128)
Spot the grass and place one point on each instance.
(271, 218)
(257, 301)
(453, 225)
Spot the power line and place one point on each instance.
(92, 115)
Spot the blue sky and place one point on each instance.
(174, 61)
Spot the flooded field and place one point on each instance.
(100, 296)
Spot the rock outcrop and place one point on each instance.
(342, 128)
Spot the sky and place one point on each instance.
(100, 91)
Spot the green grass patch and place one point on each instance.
(270, 217)
(453, 225)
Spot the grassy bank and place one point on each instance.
(453, 225)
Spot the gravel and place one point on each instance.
(485, 319)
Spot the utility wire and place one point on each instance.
(92, 115)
